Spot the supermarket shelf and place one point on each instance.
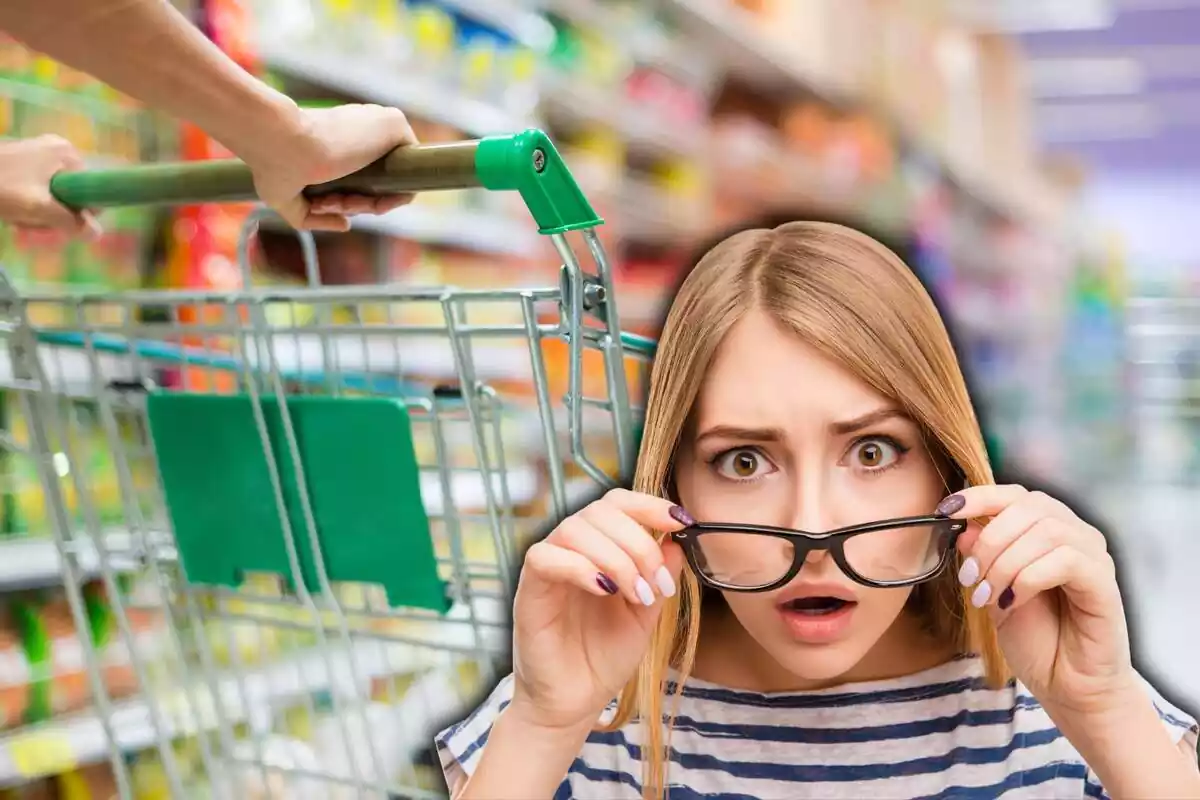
(71, 371)
(45, 96)
(513, 17)
(451, 227)
(650, 46)
(569, 99)
(731, 35)
(36, 562)
(650, 214)
(382, 355)
(55, 746)
(417, 97)
(469, 489)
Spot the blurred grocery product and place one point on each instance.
(92, 782)
(42, 658)
(39, 96)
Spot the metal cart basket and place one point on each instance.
(314, 508)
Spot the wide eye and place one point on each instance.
(874, 454)
(743, 465)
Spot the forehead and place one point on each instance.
(764, 374)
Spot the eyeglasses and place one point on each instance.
(758, 558)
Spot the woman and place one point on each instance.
(805, 383)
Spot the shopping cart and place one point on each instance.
(317, 521)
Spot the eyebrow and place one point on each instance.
(867, 420)
(767, 435)
(742, 434)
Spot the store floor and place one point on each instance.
(1154, 533)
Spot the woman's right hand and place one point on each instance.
(587, 602)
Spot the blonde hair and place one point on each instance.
(855, 301)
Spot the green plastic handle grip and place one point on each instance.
(527, 163)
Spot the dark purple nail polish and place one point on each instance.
(951, 505)
(1006, 599)
(682, 517)
(606, 583)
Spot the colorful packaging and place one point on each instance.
(432, 28)
(14, 684)
(51, 666)
(92, 782)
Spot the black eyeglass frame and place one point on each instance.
(804, 543)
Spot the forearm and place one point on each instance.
(149, 51)
(522, 761)
(1131, 752)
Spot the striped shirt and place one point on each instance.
(939, 733)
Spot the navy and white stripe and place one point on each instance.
(938, 734)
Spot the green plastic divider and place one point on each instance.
(361, 475)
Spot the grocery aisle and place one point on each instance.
(680, 119)
(1154, 527)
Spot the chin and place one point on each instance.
(821, 663)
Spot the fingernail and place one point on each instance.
(983, 593)
(1006, 599)
(94, 229)
(951, 505)
(644, 592)
(606, 583)
(666, 584)
(682, 517)
(968, 574)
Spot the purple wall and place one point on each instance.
(1166, 43)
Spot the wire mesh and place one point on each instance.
(298, 684)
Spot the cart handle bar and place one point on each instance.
(527, 163)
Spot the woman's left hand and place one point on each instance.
(1050, 584)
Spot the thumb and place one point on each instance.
(338, 223)
(46, 212)
(90, 226)
(966, 540)
(293, 209)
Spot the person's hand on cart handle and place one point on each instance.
(26, 167)
(322, 145)
(153, 53)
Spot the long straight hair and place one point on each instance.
(854, 301)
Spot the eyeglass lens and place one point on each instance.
(750, 560)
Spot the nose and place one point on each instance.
(816, 510)
(813, 510)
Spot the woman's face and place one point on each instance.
(782, 436)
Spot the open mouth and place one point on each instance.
(816, 606)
